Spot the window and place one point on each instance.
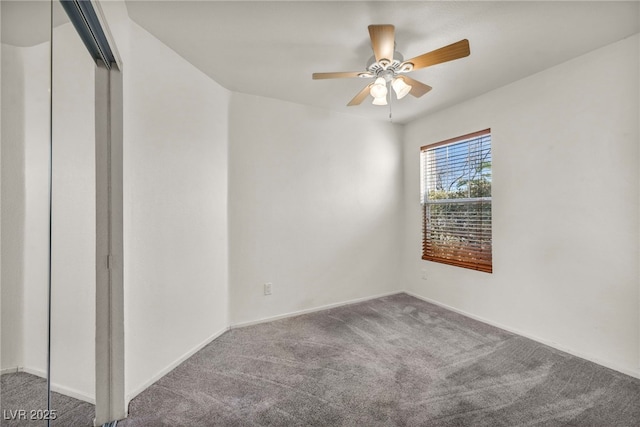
(456, 201)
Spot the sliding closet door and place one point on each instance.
(73, 284)
(61, 175)
(24, 243)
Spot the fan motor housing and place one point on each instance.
(387, 70)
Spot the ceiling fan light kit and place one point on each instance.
(379, 88)
(388, 67)
(400, 87)
(380, 100)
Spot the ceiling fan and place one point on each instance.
(388, 67)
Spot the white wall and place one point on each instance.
(36, 215)
(565, 207)
(13, 197)
(175, 206)
(313, 208)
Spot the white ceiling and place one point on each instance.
(27, 23)
(272, 48)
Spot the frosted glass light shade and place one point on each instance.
(382, 100)
(400, 87)
(379, 88)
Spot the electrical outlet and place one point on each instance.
(267, 288)
(424, 274)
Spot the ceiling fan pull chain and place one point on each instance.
(390, 102)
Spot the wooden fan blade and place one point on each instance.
(417, 88)
(318, 76)
(444, 54)
(357, 100)
(382, 41)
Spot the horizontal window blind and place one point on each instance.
(456, 201)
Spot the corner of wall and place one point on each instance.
(545, 282)
(181, 124)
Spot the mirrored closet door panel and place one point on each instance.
(48, 218)
(25, 137)
(73, 274)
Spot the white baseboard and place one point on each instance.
(626, 371)
(67, 391)
(311, 310)
(11, 370)
(171, 367)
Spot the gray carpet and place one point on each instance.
(29, 392)
(394, 361)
